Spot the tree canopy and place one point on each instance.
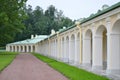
(41, 21)
(18, 21)
(11, 16)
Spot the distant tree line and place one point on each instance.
(18, 21)
(41, 21)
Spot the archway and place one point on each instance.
(29, 48)
(13, 48)
(87, 48)
(17, 48)
(21, 48)
(10, 48)
(25, 47)
(114, 57)
(100, 55)
(33, 48)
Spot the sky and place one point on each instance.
(74, 9)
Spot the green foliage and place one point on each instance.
(18, 21)
(11, 16)
(41, 22)
(2, 48)
(73, 73)
(6, 58)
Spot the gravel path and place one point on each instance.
(27, 67)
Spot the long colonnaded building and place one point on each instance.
(93, 42)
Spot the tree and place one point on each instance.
(41, 22)
(11, 16)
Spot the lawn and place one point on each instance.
(73, 73)
(6, 58)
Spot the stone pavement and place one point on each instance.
(27, 67)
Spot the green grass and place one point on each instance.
(73, 73)
(6, 58)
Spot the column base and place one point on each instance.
(77, 63)
(86, 64)
(113, 71)
(97, 68)
(61, 59)
(66, 60)
(71, 61)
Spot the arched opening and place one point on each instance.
(17, 48)
(25, 48)
(102, 45)
(72, 52)
(33, 48)
(115, 48)
(21, 48)
(29, 48)
(10, 48)
(67, 48)
(87, 48)
(13, 48)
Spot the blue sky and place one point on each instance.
(74, 9)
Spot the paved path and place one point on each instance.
(27, 67)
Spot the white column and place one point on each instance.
(75, 54)
(59, 48)
(78, 51)
(7, 48)
(113, 51)
(55, 49)
(70, 60)
(72, 50)
(52, 49)
(31, 48)
(63, 56)
(65, 51)
(97, 52)
(36, 48)
(86, 51)
(113, 66)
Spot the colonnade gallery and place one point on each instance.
(93, 42)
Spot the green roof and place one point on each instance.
(101, 12)
(31, 41)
